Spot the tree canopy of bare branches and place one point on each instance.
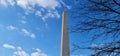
(102, 18)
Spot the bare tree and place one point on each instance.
(102, 18)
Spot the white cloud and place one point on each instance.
(23, 22)
(7, 2)
(18, 51)
(94, 45)
(11, 27)
(37, 49)
(8, 46)
(30, 7)
(47, 10)
(11, 2)
(78, 55)
(81, 55)
(97, 45)
(50, 4)
(46, 25)
(38, 13)
(38, 53)
(42, 3)
(50, 14)
(56, 14)
(32, 35)
(29, 10)
(44, 9)
(27, 33)
(3, 2)
(23, 17)
(65, 5)
(23, 3)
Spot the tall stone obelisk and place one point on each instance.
(65, 38)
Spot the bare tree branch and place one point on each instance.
(102, 18)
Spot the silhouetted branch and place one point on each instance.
(116, 2)
(108, 49)
(102, 19)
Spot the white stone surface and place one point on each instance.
(65, 37)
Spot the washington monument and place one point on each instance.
(65, 37)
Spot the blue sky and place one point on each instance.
(31, 27)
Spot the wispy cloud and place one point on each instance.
(23, 22)
(8, 46)
(78, 55)
(24, 31)
(42, 3)
(11, 2)
(82, 55)
(33, 35)
(27, 33)
(7, 2)
(38, 13)
(47, 8)
(11, 27)
(18, 51)
(3, 2)
(65, 5)
(38, 53)
(29, 6)
(97, 45)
